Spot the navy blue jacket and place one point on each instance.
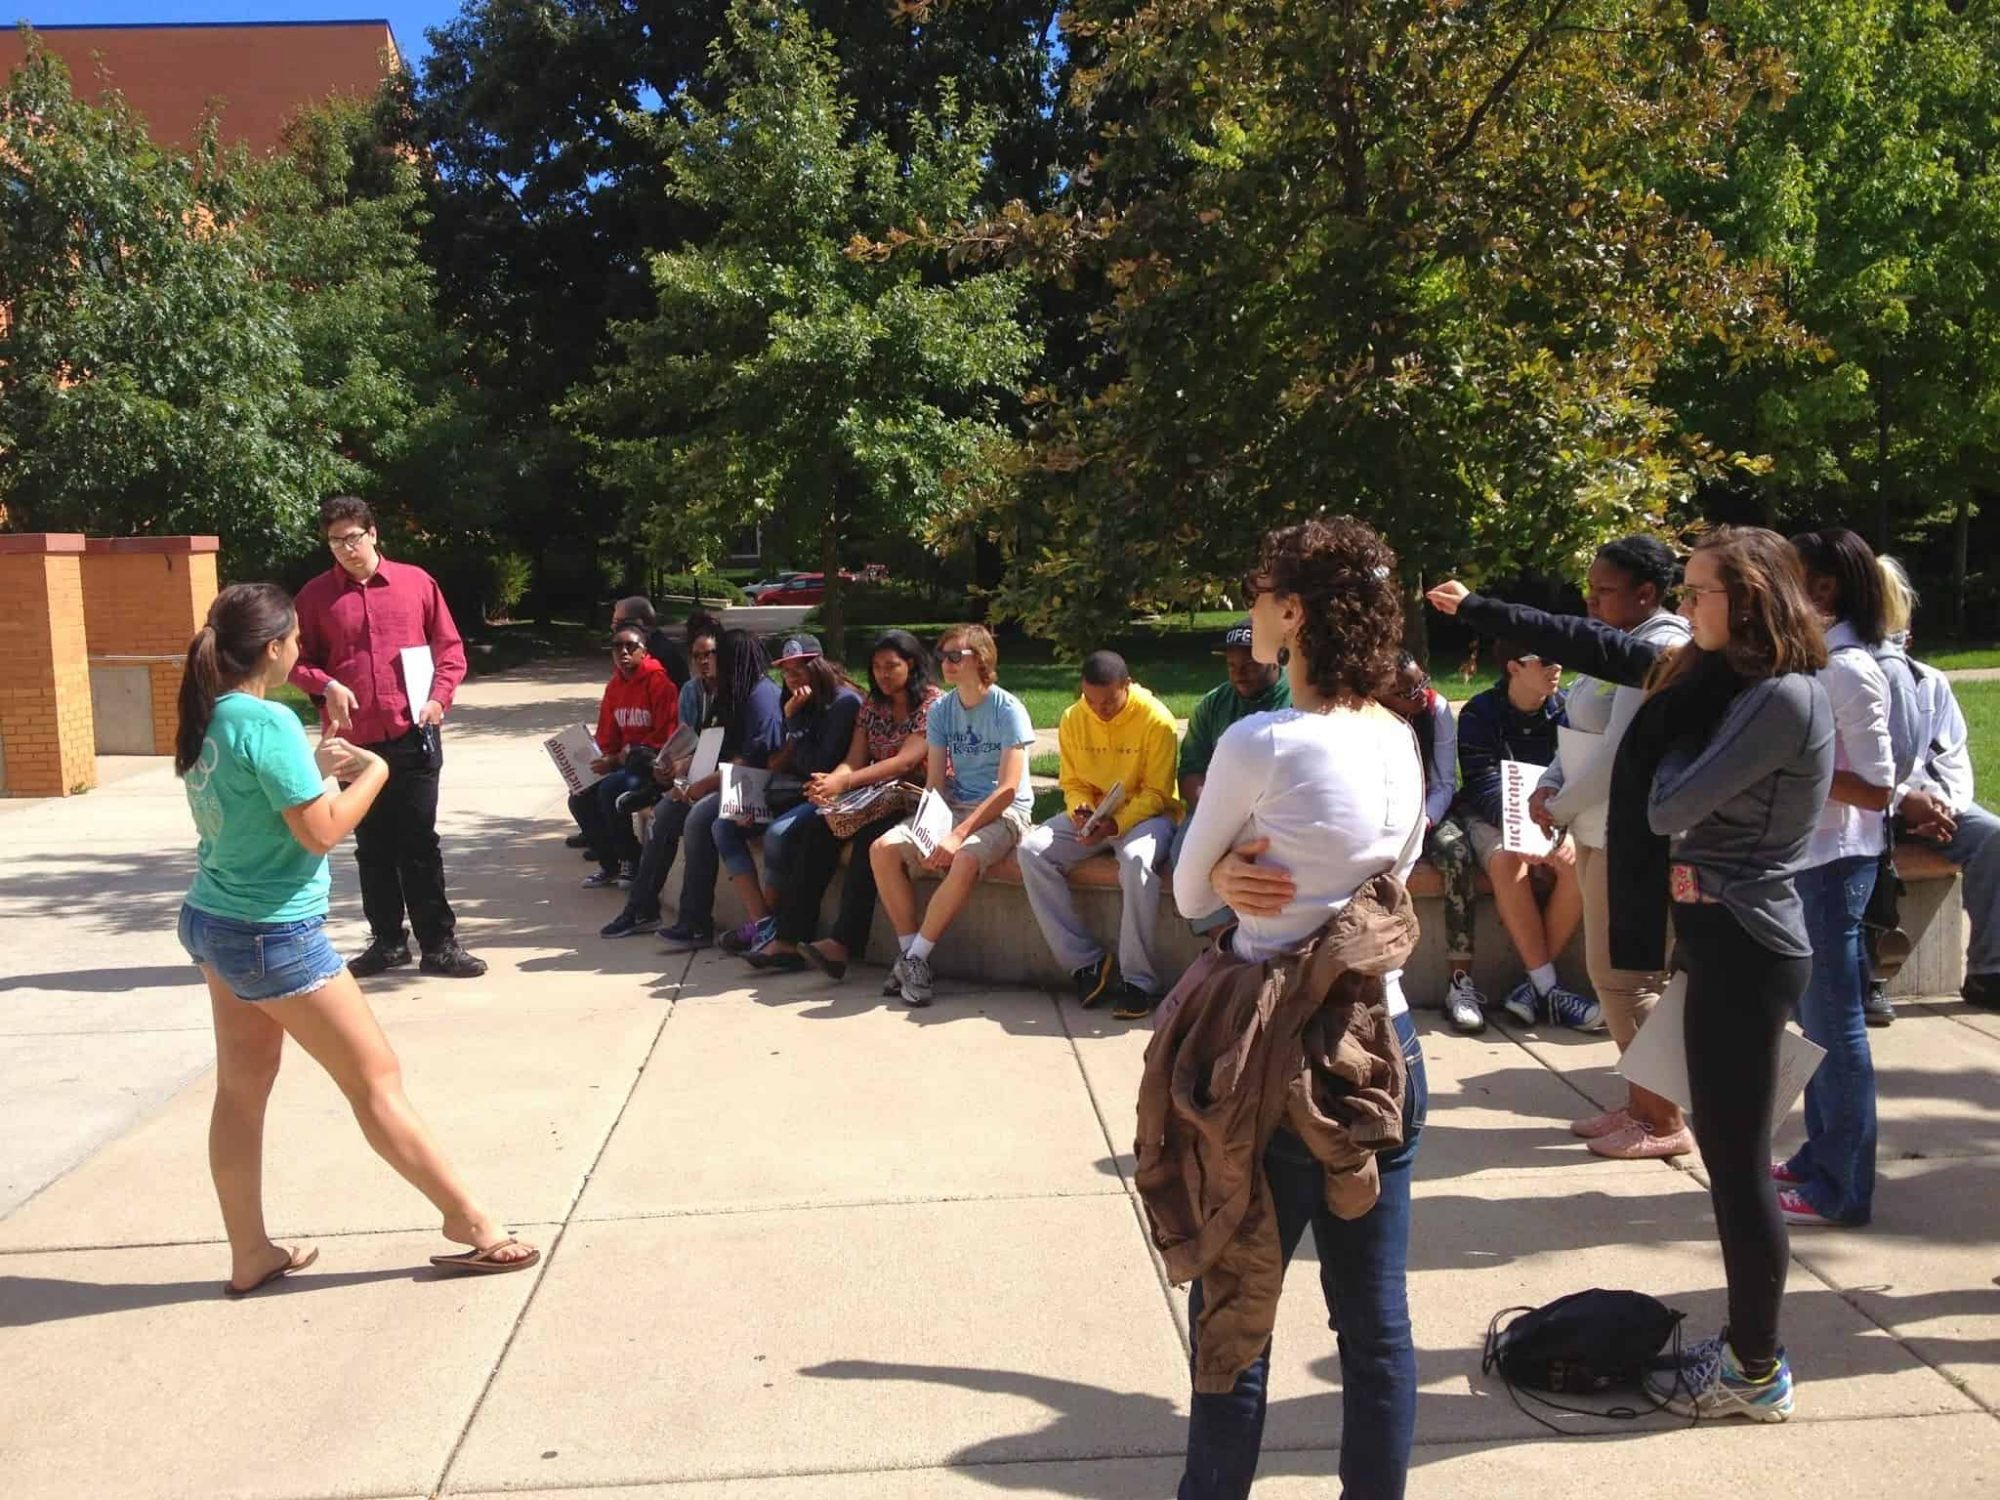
(1490, 730)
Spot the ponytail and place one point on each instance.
(200, 687)
(225, 653)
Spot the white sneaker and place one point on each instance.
(1464, 1006)
(916, 981)
(893, 985)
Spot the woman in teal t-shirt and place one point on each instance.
(255, 920)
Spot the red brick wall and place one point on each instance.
(144, 597)
(46, 732)
(261, 74)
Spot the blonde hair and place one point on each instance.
(979, 641)
(1899, 599)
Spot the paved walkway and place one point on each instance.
(804, 1245)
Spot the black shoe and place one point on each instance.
(638, 797)
(576, 841)
(453, 963)
(628, 922)
(1134, 1004)
(378, 958)
(1877, 1008)
(1093, 981)
(1981, 989)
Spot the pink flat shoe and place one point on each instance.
(1609, 1123)
(1636, 1143)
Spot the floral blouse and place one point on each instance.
(887, 735)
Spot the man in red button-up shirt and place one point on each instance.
(355, 620)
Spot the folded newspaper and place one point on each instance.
(746, 794)
(1107, 805)
(572, 750)
(862, 798)
(931, 823)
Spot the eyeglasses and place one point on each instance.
(1416, 690)
(348, 541)
(1691, 593)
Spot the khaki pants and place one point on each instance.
(1627, 995)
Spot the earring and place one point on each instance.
(1284, 656)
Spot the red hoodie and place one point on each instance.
(643, 709)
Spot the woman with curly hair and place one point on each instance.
(1311, 819)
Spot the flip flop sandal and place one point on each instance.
(832, 968)
(778, 963)
(293, 1262)
(481, 1262)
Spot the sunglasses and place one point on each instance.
(1532, 660)
(627, 648)
(955, 655)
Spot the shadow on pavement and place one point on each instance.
(27, 1300)
(105, 981)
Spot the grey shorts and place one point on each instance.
(989, 845)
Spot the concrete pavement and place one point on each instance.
(806, 1246)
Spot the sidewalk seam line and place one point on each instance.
(555, 1245)
(1131, 1192)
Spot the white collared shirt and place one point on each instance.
(1859, 694)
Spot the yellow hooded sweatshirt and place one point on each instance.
(1139, 748)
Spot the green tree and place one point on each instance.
(150, 378)
(793, 373)
(1875, 191)
(1405, 258)
(549, 191)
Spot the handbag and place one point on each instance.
(848, 815)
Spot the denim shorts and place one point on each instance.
(261, 960)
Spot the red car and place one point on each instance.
(802, 588)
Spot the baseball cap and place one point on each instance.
(1236, 635)
(799, 648)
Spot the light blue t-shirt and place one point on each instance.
(254, 764)
(974, 738)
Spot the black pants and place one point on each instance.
(396, 848)
(1739, 994)
(815, 857)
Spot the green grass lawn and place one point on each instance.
(298, 703)
(1981, 702)
(1959, 658)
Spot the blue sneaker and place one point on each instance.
(1578, 1012)
(628, 922)
(1710, 1383)
(683, 938)
(1524, 1003)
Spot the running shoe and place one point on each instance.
(1710, 1383)
(1464, 1006)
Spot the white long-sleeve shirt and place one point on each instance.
(1944, 768)
(1859, 694)
(1340, 796)
(1441, 775)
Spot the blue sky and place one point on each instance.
(407, 18)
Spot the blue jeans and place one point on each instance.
(1361, 1274)
(1837, 1161)
(701, 862)
(662, 844)
(1976, 852)
(595, 809)
(732, 843)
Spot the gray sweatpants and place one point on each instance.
(1050, 851)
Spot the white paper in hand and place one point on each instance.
(572, 751)
(1657, 1059)
(746, 794)
(419, 675)
(707, 753)
(1107, 807)
(1519, 833)
(931, 823)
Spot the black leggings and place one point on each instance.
(1738, 996)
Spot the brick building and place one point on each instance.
(260, 73)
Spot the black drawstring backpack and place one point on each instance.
(1581, 1345)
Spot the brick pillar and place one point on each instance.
(143, 597)
(45, 715)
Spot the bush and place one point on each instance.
(710, 588)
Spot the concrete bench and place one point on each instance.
(995, 939)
